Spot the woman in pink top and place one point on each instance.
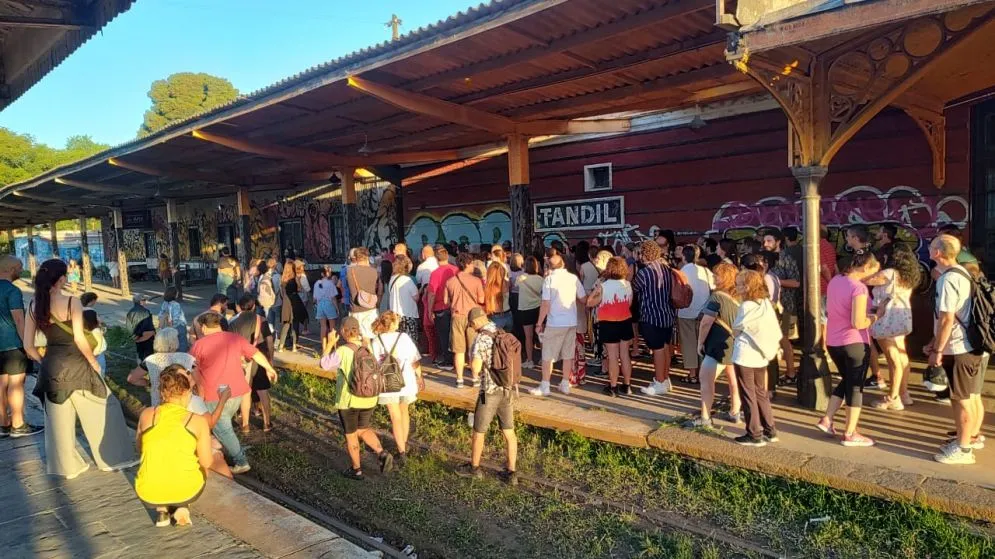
(848, 343)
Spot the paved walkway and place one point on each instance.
(98, 515)
(899, 466)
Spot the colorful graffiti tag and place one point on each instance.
(492, 226)
(918, 216)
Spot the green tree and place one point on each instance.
(21, 157)
(183, 95)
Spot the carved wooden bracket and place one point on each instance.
(933, 124)
(837, 92)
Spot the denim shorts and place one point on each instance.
(326, 310)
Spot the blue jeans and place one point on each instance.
(273, 316)
(181, 331)
(502, 320)
(226, 433)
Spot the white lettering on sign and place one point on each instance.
(591, 213)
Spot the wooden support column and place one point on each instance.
(174, 233)
(84, 248)
(55, 240)
(244, 230)
(354, 229)
(32, 257)
(522, 220)
(11, 246)
(122, 258)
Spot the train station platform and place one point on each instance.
(900, 466)
(98, 515)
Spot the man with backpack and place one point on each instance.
(789, 273)
(960, 337)
(270, 295)
(496, 356)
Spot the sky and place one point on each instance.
(101, 90)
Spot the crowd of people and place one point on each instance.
(727, 308)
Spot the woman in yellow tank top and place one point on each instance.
(176, 452)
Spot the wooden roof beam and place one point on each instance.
(97, 187)
(671, 10)
(39, 198)
(322, 158)
(476, 118)
(185, 174)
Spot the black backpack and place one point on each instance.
(981, 327)
(391, 368)
(366, 380)
(506, 359)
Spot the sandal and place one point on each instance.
(267, 428)
(787, 381)
(688, 379)
(245, 429)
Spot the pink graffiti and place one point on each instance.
(902, 205)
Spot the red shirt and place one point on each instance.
(437, 284)
(827, 257)
(219, 361)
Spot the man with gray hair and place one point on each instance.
(951, 348)
(13, 361)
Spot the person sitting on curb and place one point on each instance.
(494, 399)
(355, 413)
(175, 445)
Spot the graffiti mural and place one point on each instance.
(492, 226)
(917, 216)
(375, 204)
(133, 245)
(628, 233)
(379, 214)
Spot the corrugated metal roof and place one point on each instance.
(100, 12)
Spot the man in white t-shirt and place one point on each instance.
(951, 349)
(557, 326)
(702, 282)
(427, 266)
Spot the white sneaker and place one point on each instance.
(123, 466)
(541, 391)
(565, 386)
(657, 388)
(957, 457)
(528, 365)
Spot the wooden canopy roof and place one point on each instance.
(37, 35)
(529, 67)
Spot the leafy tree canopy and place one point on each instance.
(183, 95)
(21, 157)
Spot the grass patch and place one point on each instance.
(427, 506)
(768, 510)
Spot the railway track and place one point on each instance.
(664, 521)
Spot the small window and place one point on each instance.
(292, 237)
(598, 177)
(337, 225)
(193, 234)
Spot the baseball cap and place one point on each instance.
(139, 298)
(935, 379)
(350, 322)
(476, 313)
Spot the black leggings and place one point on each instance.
(852, 361)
